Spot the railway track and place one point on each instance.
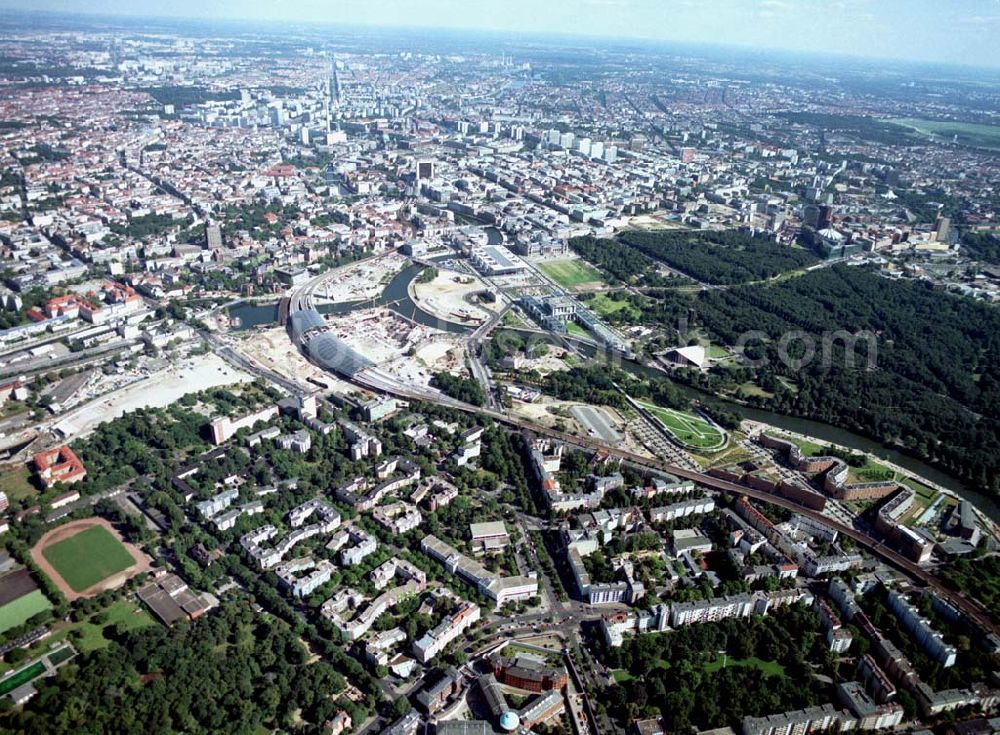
(385, 384)
(875, 546)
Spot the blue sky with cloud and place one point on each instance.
(957, 31)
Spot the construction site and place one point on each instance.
(456, 297)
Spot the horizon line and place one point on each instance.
(716, 45)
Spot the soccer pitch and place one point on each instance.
(689, 430)
(88, 557)
(569, 273)
(20, 610)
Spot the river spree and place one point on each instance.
(396, 298)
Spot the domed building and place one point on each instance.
(509, 721)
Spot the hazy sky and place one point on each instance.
(960, 31)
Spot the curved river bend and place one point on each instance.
(396, 298)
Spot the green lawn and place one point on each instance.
(130, 614)
(974, 134)
(21, 677)
(88, 557)
(808, 448)
(717, 352)
(570, 273)
(752, 389)
(621, 675)
(18, 611)
(687, 428)
(16, 483)
(577, 331)
(869, 472)
(605, 306)
(767, 668)
(124, 612)
(928, 493)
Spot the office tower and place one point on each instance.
(213, 235)
(942, 228)
(335, 91)
(810, 216)
(425, 169)
(825, 217)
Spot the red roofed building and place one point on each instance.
(69, 305)
(119, 293)
(91, 313)
(281, 171)
(59, 465)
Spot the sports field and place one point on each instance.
(88, 557)
(570, 273)
(690, 430)
(21, 677)
(18, 611)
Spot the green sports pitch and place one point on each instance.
(570, 273)
(19, 611)
(88, 557)
(688, 429)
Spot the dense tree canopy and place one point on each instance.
(978, 577)
(725, 257)
(623, 263)
(231, 671)
(676, 675)
(462, 389)
(934, 387)
(608, 385)
(984, 246)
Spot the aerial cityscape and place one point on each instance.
(440, 368)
